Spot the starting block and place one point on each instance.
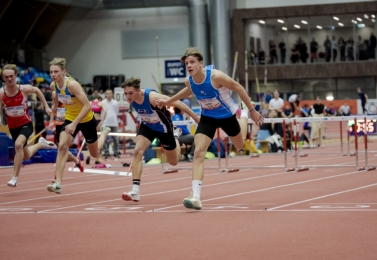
(95, 171)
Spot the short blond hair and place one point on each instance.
(131, 82)
(192, 51)
(10, 67)
(58, 62)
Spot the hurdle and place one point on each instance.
(358, 168)
(107, 172)
(366, 128)
(285, 166)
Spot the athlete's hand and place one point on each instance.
(160, 103)
(256, 117)
(197, 119)
(51, 126)
(70, 129)
(48, 111)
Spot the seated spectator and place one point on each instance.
(276, 103)
(186, 137)
(267, 132)
(345, 109)
(288, 111)
(331, 111)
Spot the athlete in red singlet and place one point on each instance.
(14, 99)
(99, 110)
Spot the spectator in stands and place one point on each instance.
(327, 45)
(288, 111)
(283, 51)
(349, 47)
(261, 56)
(273, 54)
(362, 48)
(372, 46)
(268, 96)
(313, 50)
(345, 109)
(276, 103)
(294, 54)
(334, 48)
(185, 138)
(187, 101)
(113, 82)
(342, 48)
(331, 111)
(26, 78)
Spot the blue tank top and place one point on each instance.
(156, 119)
(215, 103)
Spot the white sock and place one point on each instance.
(196, 188)
(245, 113)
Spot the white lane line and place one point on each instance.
(270, 188)
(321, 197)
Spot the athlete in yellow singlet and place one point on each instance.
(78, 117)
(57, 120)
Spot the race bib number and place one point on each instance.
(60, 116)
(209, 103)
(65, 99)
(150, 118)
(15, 111)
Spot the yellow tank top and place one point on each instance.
(72, 105)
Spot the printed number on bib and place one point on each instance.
(150, 118)
(65, 99)
(210, 103)
(15, 111)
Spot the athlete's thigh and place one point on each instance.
(230, 126)
(207, 126)
(167, 140)
(88, 130)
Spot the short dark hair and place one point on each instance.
(131, 82)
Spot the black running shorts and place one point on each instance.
(167, 139)
(25, 130)
(88, 129)
(208, 126)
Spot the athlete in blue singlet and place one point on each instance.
(212, 90)
(156, 123)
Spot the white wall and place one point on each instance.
(92, 44)
(276, 3)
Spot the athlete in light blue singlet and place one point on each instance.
(212, 90)
(215, 103)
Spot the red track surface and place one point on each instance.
(323, 213)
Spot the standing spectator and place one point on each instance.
(313, 50)
(362, 48)
(39, 115)
(26, 78)
(344, 110)
(364, 100)
(113, 82)
(349, 47)
(186, 137)
(276, 103)
(283, 51)
(294, 54)
(327, 45)
(302, 49)
(342, 48)
(334, 48)
(273, 55)
(372, 46)
(317, 128)
(261, 56)
(111, 120)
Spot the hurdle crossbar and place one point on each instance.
(107, 172)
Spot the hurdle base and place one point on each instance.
(370, 168)
(254, 155)
(352, 154)
(232, 170)
(302, 169)
(168, 171)
(360, 168)
(303, 155)
(289, 169)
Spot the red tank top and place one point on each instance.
(95, 107)
(16, 109)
